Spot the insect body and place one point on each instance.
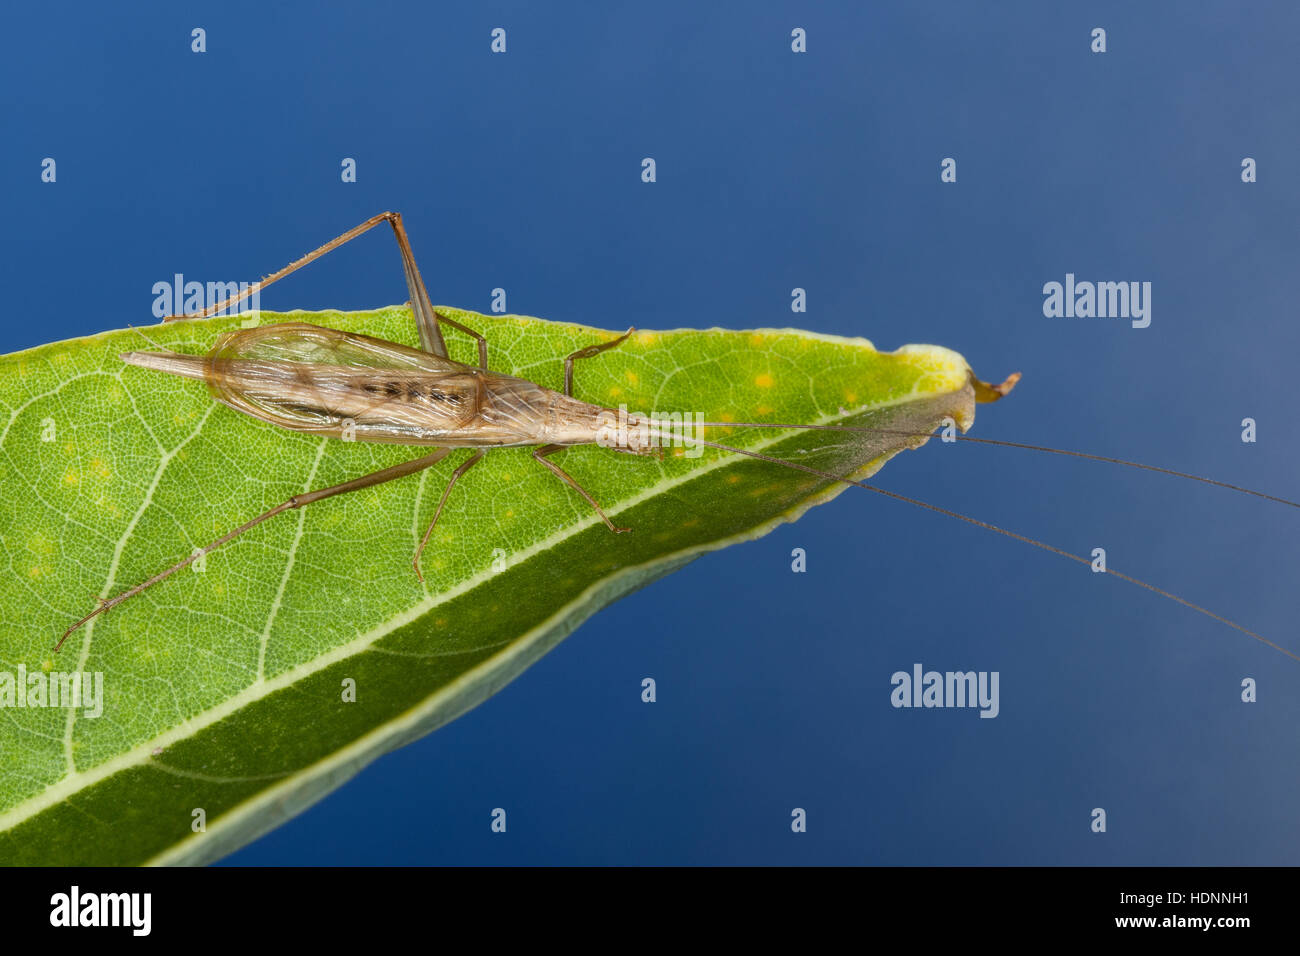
(311, 379)
(341, 385)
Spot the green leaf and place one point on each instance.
(223, 690)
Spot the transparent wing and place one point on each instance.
(314, 345)
(354, 387)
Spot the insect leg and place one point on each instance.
(430, 336)
(455, 476)
(297, 501)
(541, 453)
(588, 352)
(482, 342)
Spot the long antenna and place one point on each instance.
(1002, 531)
(1015, 444)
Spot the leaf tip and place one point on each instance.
(985, 393)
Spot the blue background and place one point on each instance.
(776, 170)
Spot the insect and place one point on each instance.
(307, 378)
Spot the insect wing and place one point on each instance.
(307, 378)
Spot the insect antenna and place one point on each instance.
(1015, 444)
(990, 527)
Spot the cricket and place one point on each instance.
(307, 378)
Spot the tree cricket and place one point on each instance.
(307, 378)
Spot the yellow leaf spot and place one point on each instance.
(850, 396)
(733, 479)
(99, 468)
(647, 338)
(757, 340)
(764, 409)
(71, 477)
(764, 381)
(35, 572)
(615, 392)
(632, 378)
